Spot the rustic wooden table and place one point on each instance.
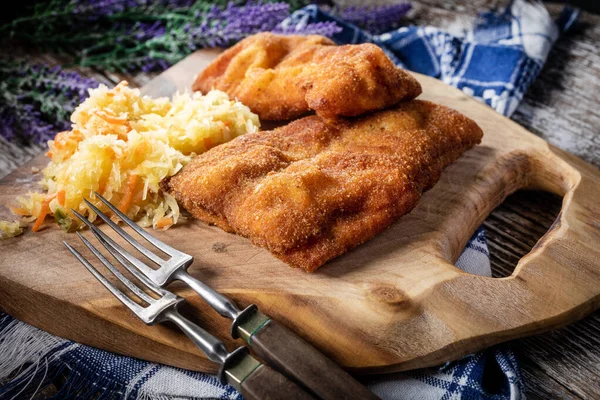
(563, 107)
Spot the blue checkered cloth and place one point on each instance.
(495, 61)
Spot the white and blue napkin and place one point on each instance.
(495, 61)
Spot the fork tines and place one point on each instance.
(118, 251)
(127, 260)
(165, 248)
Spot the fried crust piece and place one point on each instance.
(310, 191)
(284, 77)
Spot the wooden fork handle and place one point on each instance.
(267, 384)
(300, 361)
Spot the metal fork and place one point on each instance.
(270, 340)
(238, 368)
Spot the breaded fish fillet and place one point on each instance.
(284, 77)
(310, 191)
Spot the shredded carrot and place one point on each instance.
(76, 135)
(61, 196)
(142, 149)
(138, 197)
(122, 136)
(111, 119)
(208, 143)
(65, 139)
(43, 212)
(121, 85)
(164, 221)
(128, 194)
(61, 138)
(20, 211)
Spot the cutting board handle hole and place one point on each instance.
(514, 192)
(524, 208)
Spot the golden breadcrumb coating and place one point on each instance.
(284, 77)
(310, 191)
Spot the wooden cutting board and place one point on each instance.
(394, 303)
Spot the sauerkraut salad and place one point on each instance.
(122, 145)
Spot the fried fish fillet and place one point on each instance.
(284, 77)
(310, 191)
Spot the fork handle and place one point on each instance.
(216, 300)
(296, 358)
(266, 384)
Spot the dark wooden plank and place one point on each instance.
(513, 229)
(539, 386)
(568, 356)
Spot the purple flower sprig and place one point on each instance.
(36, 100)
(141, 35)
(221, 27)
(80, 26)
(156, 47)
(375, 19)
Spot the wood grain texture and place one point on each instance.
(403, 280)
(559, 364)
(266, 384)
(291, 355)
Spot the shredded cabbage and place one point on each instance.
(122, 145)
(10, 229)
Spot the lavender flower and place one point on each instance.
(223, 26)
(36, 100)
(375, 19)
(134, 35)
(100, 8)
(7, 121)
(158, 46)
